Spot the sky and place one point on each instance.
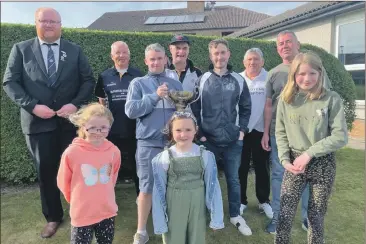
(82, 14)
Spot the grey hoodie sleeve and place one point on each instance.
(137, 103)
(245, 108)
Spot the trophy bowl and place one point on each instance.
(181, 99)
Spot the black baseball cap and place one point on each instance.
(179, 38)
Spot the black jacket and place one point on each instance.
(114, 88)
(188, 77)
(26, 83)
(223, 108)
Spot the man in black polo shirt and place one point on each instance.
(111, 89)
(180, 67)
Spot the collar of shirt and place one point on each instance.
(41, 42)
(162, 74)
(189, 65)
(260, 77)
(121, 71)
(229, 69)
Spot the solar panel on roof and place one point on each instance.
(179, 19)
(160, 20)
(189, 18)
(150, 20)
(169, 19)
(174, 19)
(199, 18)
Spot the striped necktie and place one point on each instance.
(51, 64)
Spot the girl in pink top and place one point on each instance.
(88, 174)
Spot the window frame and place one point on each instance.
(343, 20)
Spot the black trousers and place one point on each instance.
(252, 149)
(127, 146)
(46, 149)
(103, 231)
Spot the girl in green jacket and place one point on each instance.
(310, 127)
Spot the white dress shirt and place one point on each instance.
(55, 49)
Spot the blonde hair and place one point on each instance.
(85, 113)
(291, 88)
(44, 9)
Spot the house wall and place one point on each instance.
(321, 33)
(318, 33)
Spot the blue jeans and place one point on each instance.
(231, 157)
(277, 175)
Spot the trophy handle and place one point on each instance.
(196, 91)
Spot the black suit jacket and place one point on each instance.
(26, 83)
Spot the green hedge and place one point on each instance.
(16, 166)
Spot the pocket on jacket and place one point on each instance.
(232, 131)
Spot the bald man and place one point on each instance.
(111, 89)
(48, 78)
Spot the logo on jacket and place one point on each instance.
(111, 84)
(92, 175)
(230, 87)
(322, 112)
(63, 56)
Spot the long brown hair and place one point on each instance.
(291, 88)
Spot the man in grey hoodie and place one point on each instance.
(146, 102)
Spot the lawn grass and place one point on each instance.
(21, 218)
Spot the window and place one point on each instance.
(351, 43)
(350, 48)
(358, 77)
(227, 33)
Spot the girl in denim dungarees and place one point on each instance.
(185, 183)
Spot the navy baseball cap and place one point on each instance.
(179, 38)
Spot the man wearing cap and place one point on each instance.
(180, 67)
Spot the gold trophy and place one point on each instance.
(181, 99)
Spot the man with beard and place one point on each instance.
(222, 111)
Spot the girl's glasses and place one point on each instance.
(94, 130)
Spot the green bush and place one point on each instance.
(16, 165)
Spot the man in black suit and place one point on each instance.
(49, 78)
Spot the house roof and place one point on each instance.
(305, 11)
(219, 18)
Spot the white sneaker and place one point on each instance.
(241, 225)
(140, 238)
(267, 209)
(242, 208)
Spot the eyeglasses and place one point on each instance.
(50, 22)
(94, 130)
